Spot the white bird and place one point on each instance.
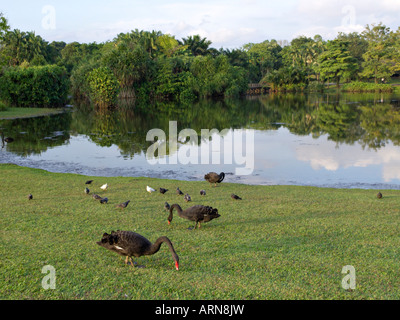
(104, 186)
(149, 189)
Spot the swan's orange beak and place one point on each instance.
(177, 265)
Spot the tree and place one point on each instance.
(357, 46)
(196, 45)
(19, 46)
(336, 63)
(4, 27)
(265, 56)
(379, 57)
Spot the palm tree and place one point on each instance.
(197, 45)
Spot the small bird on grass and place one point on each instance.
(123, 205)
(87, 191)
(150, 189)
(179, 192)
(187, 197)
(162, 190)
(104, 200)
(30, 197)
(167, 206)
(96, 197)
(89, 182)
(202, 192)
(379, 195)
(235, 197)
(104, 187)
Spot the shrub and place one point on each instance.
(39, 86)
(358, 86)
(104, 87)
(3, 106)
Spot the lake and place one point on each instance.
(326, 140)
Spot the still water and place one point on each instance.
(347, 141)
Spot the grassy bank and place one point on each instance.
(279, 242)
(12, 113)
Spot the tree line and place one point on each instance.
(150, 65)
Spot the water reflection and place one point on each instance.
(330, 140)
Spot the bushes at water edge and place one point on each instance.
(38, 86)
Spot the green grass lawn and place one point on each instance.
(12, 113)
(279, 242)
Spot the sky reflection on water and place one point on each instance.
(280, 158)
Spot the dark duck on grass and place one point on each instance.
(132, 244)
(235, 197)
(215, 178)
(123, 205)
(198, 213)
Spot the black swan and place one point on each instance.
(215, 178)
(235, 197)
(123, 205)
(196, 213)
(132, 244)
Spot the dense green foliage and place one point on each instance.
(39, 86)
(153, 66)
(103, 87)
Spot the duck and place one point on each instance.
(215, 178)
(179, 192)
(162, 190)
(202, 192)
(132, 244)
(150, 189)
(123, 205)
(104, 187)
(235, 197)
(187, 197)
(96, 197)
(197, 213)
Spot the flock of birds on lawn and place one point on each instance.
(131, 244)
